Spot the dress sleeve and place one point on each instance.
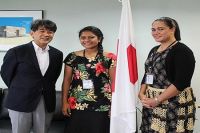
(112, 59)
(69, 59)
(181, 68)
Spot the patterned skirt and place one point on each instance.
(175, 115)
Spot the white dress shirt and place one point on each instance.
(42, 57)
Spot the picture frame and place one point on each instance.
(15, 27)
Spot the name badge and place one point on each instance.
(88, 84)
(149, 79)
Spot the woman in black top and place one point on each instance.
(167, 98)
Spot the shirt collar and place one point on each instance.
(37, 48)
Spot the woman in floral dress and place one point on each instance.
(166, 95)
(86, 89)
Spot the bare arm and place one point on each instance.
(142, 95)
(142, 92)
(170, 92)
(65, 90)
(112, 75)
(112, 79)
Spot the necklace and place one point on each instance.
(90, 58)
(160, 49)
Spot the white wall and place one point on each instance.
(72, 15)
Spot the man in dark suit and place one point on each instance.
(30, 71)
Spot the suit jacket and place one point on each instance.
(21, 73)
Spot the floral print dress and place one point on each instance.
(98, 97)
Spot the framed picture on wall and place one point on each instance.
(15, 27)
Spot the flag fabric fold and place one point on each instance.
(123, 107)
